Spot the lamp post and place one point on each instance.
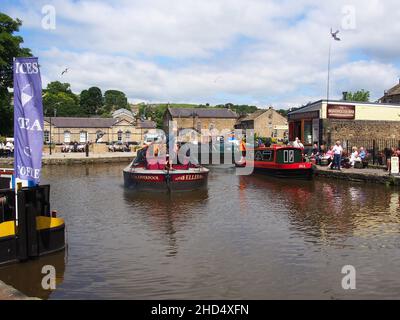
(50, 138)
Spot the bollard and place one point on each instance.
(87, 150)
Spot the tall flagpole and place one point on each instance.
(335, 37)
(329, 70)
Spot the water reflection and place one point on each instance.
(27, 276)
(333, 210)
(166, 213)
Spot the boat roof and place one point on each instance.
(277, 147)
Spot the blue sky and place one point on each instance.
(241, 51)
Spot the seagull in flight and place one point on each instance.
(334, 35)
(65, 71)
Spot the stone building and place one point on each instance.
(200, 118)
(392, 95)
(267, 123)
(122, 127)
(325, 122)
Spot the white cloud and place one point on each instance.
(264, 51)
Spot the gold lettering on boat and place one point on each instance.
(189, 177)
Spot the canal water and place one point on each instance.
(249, 237)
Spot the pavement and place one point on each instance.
(376, 175)
(78, 158)
(367, 171)
(82, 155)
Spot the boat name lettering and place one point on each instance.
(188, 177)
(152, 178)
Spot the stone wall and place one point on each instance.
(264, 125)
(201, 123)
(130, 133)
(359, 129)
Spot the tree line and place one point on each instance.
(58, 99)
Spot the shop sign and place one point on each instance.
(336, 111)
(304, 115)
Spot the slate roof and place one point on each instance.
(146, 124)
(202, 113)
(122, 111)
(72, 122)
(393, 91)
(254, 115)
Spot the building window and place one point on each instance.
(128, 136)
(198, 127)
(119, 136)
(83, 137)
(308, 132)
(46, 136)
(67, 137)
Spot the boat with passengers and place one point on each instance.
(153, 170)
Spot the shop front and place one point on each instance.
(305, 126)
(325, 122)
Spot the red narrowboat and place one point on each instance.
(281, 161)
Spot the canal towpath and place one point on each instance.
(79, 158)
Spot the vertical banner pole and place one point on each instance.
(28, 124)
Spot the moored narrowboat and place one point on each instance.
(281, 161)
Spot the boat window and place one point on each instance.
(265, 155)
(268, 155)
(288, 156)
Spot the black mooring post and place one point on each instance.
(22, 240)
(31, 211)
(87, 149)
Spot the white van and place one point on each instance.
(153, 137)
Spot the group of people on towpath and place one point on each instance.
(335, 157)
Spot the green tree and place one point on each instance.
(64, 103)
(239, 109)
(113, 100)
(360, 95)
(283, 112)
(91, 101)
(57, 86)
(59, 96)
(10, 47)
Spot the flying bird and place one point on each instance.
(65, 71)
(334, 35)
